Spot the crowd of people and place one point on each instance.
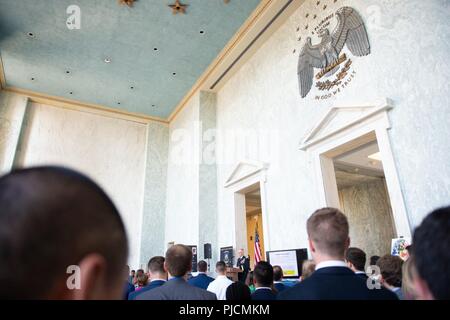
(60, 225)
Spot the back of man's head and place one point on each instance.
(156, 267)
(277, 273)
(202, 266)
(373, 260)
(178, 260)
(357, 258)
(432, 258)
(263, 274)
(391, 269)
(221, 267)
(328, 231)
(52, 219)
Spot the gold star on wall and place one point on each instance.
(127, 2)
(178, 7)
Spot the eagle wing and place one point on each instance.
(310, 57)
(351, 31)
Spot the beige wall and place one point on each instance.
(111, 151)
(370, 217)
(252, 220)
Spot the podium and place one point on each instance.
(233, 273)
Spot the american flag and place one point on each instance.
(257, 247)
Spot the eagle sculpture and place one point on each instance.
(349, 31)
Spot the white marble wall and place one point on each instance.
(111, 151)
(12, 112)
(182, 205)
(370, 216)
(408, 64)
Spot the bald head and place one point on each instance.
(52, 218)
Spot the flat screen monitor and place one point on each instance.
(291, 261)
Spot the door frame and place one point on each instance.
(247, 176)
(346, 128)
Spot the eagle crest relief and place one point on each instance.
(350, 32)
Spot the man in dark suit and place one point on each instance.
(278, 279)
(202, 280)
(328, 232)
(243, 263)
(263, 277)
(156, 274)
(356, 260)
(178, 263)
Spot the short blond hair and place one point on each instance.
(308, 268)
(328, 229)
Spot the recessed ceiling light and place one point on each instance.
(70, 92)
(202, 32)
(153, 106)
(174, 73)
(31, 35)
(32, 79)
(155, 49)
(375, 156)
(67, 71)
(118, 102)
(131, 87)
(107, 60)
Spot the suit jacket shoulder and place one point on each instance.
(177, 289)
(333, 283)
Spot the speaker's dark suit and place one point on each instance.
(263, 294)
(244, 264)
(177, 289)
(201, 281)
(334, 283)
(152, 285)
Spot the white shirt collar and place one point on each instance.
(263, 288)
(331, 263)
(158, 280)
(360, 272)
(278, 282)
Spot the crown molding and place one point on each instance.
(83, 107)
(265, 19)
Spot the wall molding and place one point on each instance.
(2, 74)
(84, 107)
(347, 127)
(253, 168)
(268, 15)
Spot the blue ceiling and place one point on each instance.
(70, 63)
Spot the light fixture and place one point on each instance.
(375, 156)
(107, 60)
(31, 35)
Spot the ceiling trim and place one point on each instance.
(2, 75)
(265, 16)
(250, 45)
(262, 19)
(83, 107)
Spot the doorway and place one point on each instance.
(254, 224)
(363, 197)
